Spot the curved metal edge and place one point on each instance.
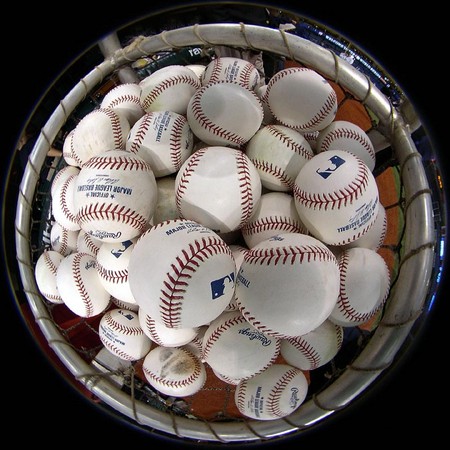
(385, 343)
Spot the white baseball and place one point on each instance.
(314, 349)
(163, 139)
(165, 336)
(375, 236)
(79, 285)
(218, 187)
(302, 99)
(345, 135)
(225, 379)
(174, 371)
(125, 305)
(63, 204)
(278, 153)
(195, 346)
(112, 265)
(236, 349)
(115, 196)
(276, 213)
(272, 394)
(45, 274)
(120, 332)
(297, 270)
(268, 117)
(232, 70)
(169, 89)
(98, 131)
(63, 240)
(224, 114)
(336, 196)
(67, 150)
(198, 69)
(181, 273)
(166, 206)
(87, 244)
(61, 176)
(364, 286)
(125, 99)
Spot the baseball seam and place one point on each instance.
(112, 276)
(272, 223)
(150, 327)
(66, 211)
(307, 350)
(81, 288)
(164, 85)
(140, 133)
(116, 127)
(345, 133)
(276, 172)
(207, 124)
(175, 141)
(273, 399)
(120, 328)
(289, 143)
(244, 178)
(338, 198)
(182, 269)
(124, 98)
(117, 163)
(116, 350)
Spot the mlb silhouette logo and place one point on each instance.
(222, 285)
(335, 163)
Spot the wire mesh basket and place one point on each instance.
(411, 248)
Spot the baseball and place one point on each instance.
(115, 196)
(79, 285)
(313, 349)
(375, 236)
(67, 154)
(163, 139)
(87, 244)
(232, 70)
(124, 305)
(278, 153)
(297, 270)
(272, 394)
(165, 336)
(166, 206)
(101, 130)
(224, 114)
(63, 203)
(126, 100)
(275, 213)
(364, 286)
(45, 274)
(302, 99)
(232, 193)
(181, 273)
(63, 240)
(268, 117)
(169, 89)
(344, 135)
(61, 176)
(336, 196)
(174, 371)
(112, 265)
(121, 334)
(236, 349)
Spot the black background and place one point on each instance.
(43, 41)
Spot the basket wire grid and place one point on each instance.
(409, 291)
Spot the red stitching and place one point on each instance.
(115, 127)
(276, 172)
(339, 198)
(175, 141)
(115, 162)
(114, 213)
(123, 329)
(68, 213)
(140, 132)
(290, 143)
(124, 98)
(307, 350)
(168, 83)
(347, 134)
(273, 398)
(277, 223)
(81, 288)
(184, 266)
(49, 263)
(245, 186)
(113, 276)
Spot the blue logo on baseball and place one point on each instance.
(221, 285)
(336, 162)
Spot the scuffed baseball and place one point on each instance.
(272, 394)
(163, 139)
(297, 270)
(302, 99)
(278, 153)
(174, 371)
(314, 349)
(233, 188)
(45, 272)
(364, 286)
(169, 88)
(236, 349)
(276, 213)
(224, 114)
(79, 285)
(121, 334)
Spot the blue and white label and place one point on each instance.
(222, 285)
(334, 163)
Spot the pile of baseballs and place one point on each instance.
(199, 218)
